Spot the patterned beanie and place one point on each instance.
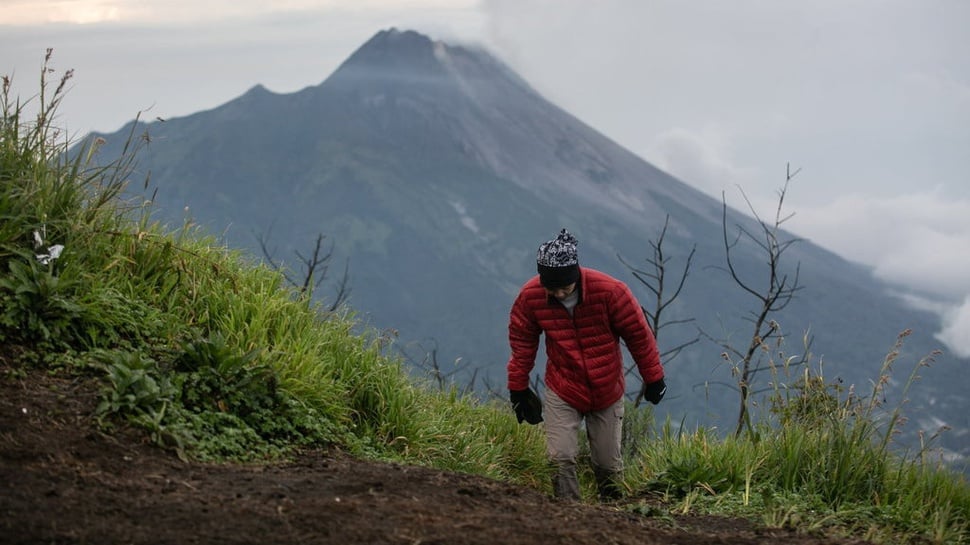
(557, 261)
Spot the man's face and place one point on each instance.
(561, 292)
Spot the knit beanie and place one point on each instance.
(557, 261)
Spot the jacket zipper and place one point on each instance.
(582, 350)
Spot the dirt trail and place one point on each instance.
(63, 481)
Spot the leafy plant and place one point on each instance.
(38, 306)
(216, 377)
(135, 387)
(233, 403)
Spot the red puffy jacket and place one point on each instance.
(585, 365)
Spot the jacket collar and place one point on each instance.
(580, 287)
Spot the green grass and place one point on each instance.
(216, 358)
(832, 481)
(823, 461)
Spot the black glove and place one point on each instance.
(526, 405)
(655, 391)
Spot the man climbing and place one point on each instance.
(583, 314)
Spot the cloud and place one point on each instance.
(956, 332)
(858, 98)
(703, 158)
(19, 12)
(78, 12)
(942, 87)
(921, 240)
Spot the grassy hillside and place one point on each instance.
(216, 358)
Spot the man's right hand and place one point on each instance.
(527, 405)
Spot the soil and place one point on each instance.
(64, 481)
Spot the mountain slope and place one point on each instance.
(436, 171)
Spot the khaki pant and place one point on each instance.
(604, 429)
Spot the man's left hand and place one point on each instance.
(655, 391)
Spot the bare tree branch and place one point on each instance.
(315, 267)
(655, 280)
(775, 296)
(428, 363)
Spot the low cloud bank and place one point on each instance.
(956, 329)
(917, 241)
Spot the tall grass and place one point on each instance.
(825, 461)
(217, 358)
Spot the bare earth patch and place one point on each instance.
(63, 481)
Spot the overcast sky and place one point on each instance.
(869, 98)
